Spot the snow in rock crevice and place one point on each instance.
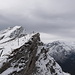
(7, 47)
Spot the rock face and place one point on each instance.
(13, 38)
(64, 54)
(31, 59)
(22, 60)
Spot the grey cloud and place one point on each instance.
(39, 18)
(60, 29)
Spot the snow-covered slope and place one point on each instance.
(64, 54)
(46, 65)
(60, 50)
(12, 40)
(10, 33)
(25, 54)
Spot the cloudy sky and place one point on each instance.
(55, 19)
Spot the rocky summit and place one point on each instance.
(25, 54)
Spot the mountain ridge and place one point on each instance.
(26, 55)
(64, 54)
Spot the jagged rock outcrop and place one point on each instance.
(22, 58)
(31, 59)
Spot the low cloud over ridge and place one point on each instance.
(55, 17)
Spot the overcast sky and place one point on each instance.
(55, 18)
